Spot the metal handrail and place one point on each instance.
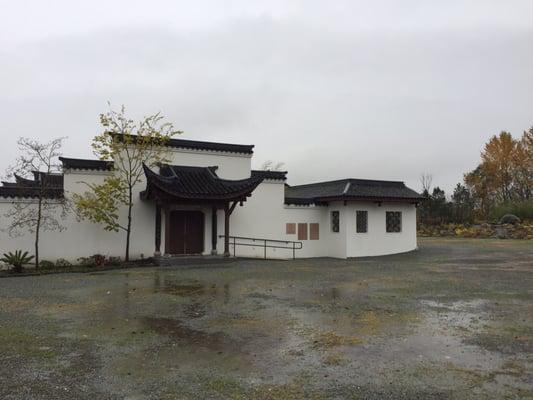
(290, 245)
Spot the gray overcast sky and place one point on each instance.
(381, 89)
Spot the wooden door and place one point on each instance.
(194, 237)
(186, 232)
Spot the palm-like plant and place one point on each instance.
(16, 259)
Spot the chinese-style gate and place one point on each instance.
(187, 186)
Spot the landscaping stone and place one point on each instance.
(510, 219)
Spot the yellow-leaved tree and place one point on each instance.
(129, 145)
(505, 174)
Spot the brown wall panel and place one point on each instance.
(302, 231)
(290, 228)
(313, 231)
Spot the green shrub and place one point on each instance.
(86, 262)
(113, 261)
(522, 209)
(17, 259)
(45, 264)
(62, 263)
(96, 260)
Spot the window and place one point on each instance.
(290, 228)
(361, 221)
(335, 221)
(394, 221)
(313, 231)
(302, 231)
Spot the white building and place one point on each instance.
(208, 200)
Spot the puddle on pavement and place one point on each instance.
(177, 289)
(176, 329)
(460, 306)
(180, 288)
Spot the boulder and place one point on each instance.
(510, 219)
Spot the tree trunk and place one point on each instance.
(128, 230)
(37, 231)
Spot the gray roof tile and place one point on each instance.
(349, 189)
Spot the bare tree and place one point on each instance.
(40, 204)
(426, 180)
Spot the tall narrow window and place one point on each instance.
(314, 231)
(335, 221)
(302, 231)
(394, 221)
(361, 221)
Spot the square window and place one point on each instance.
(394, 221)
(361, 221)
(290, 228)
(335, 221)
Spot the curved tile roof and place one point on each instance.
(206, 146)
(45, 185)
(200, 183)
(271, 175)
(85, 164)
(350, 189)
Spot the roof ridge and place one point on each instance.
(83, 159)
(203, 145)
(320, 183)
(375, 180)
(270, 170)
(351, 180)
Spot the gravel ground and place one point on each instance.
(453, 320)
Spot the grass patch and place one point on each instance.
(331, 339)
(335, 359)
(232, 390)
(508, 339)
(22, 343)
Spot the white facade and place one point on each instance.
(264, 215)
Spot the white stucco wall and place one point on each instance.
(83, 238)
(263, 215)
(377, 241)
(230, 165)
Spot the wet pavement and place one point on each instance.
(453, 320)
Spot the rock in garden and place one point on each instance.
(510, 219)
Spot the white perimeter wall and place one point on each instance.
(264, 215)
(83, 238)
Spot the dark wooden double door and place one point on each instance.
(185, 233)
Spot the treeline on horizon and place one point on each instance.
(501, 184)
